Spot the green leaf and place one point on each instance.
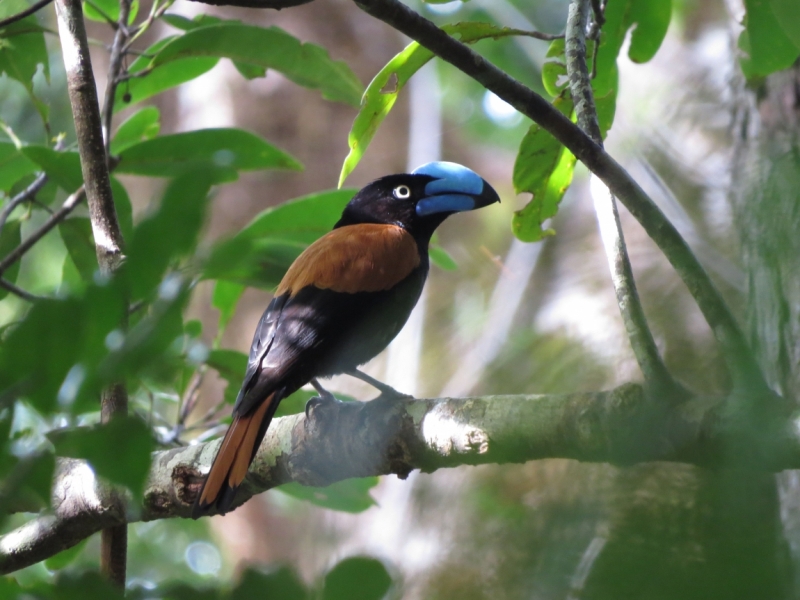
(58, 337)
(225, 298)
(122, 203)
(77, 236)
(109, 8)
(305, 64)
(168, 234)
(789, 18)
(281, 583)
(442, 259)
(554, 70)
(231, 366)
(10, 238)
(65, 557)
(159, 79)
(350, 495)
(260, 254)
(13, 166)
(383, 90)
(227, 150)
(64, 168)
(649, 19)
(765, 42)
(118, 450)
(140, 126)
(543, 168)
(22, 50)
(357, 578)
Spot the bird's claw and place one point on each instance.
(317, 401)
(392, 394)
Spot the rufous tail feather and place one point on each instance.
(233, 458)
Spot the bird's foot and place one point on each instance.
(387, 392)
(391, 394)
(325, 398)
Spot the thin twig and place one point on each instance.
(27, 194)
(56, 218)
(18, 291)
(744, 370)
(128, 75)
(25, 13)
(630, 306)
(114, 69)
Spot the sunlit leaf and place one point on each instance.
(228, 150)
(357, 578)
(440, 257)
(118, 451)
(554, 70)
(109, 8)
(350, 495)
(305, 64)
(14, 165)
(140, 126)
(543, 168)
(789, 18)
(383, 90)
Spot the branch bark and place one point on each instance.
(743, 368)
(621, 426)
(630, 306)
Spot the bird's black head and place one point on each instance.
(421, 200)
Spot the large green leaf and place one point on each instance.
(789, 18)
(649, 20)
(118, 450)
(64, 168)
(357, 578)
(140, 126)
(350, 495)
(228, 150)
(76, 234)
(383, 90)
(48, 355)
(13, 165)
(543, 168)
(22, 50)
(225, 298)
(168, 234)
(260, 254)
(231, 366)
(159, 79)
(109, 8)
(768, 47)
(305, 64)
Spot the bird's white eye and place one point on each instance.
(402, 192)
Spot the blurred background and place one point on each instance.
(511, 318)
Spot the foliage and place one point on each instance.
(60, 352)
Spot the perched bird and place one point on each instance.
(340, 304)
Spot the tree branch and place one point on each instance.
(86, 114)
(102, 213)
(27, 194)
(69, 205)
(630, 306)
(357, 439)
(25, 13)
(743, 368)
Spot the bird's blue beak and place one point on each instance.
(455, 188)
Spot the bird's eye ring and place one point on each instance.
(402, 192)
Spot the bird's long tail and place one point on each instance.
(237, 451)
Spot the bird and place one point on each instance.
(339, 304)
